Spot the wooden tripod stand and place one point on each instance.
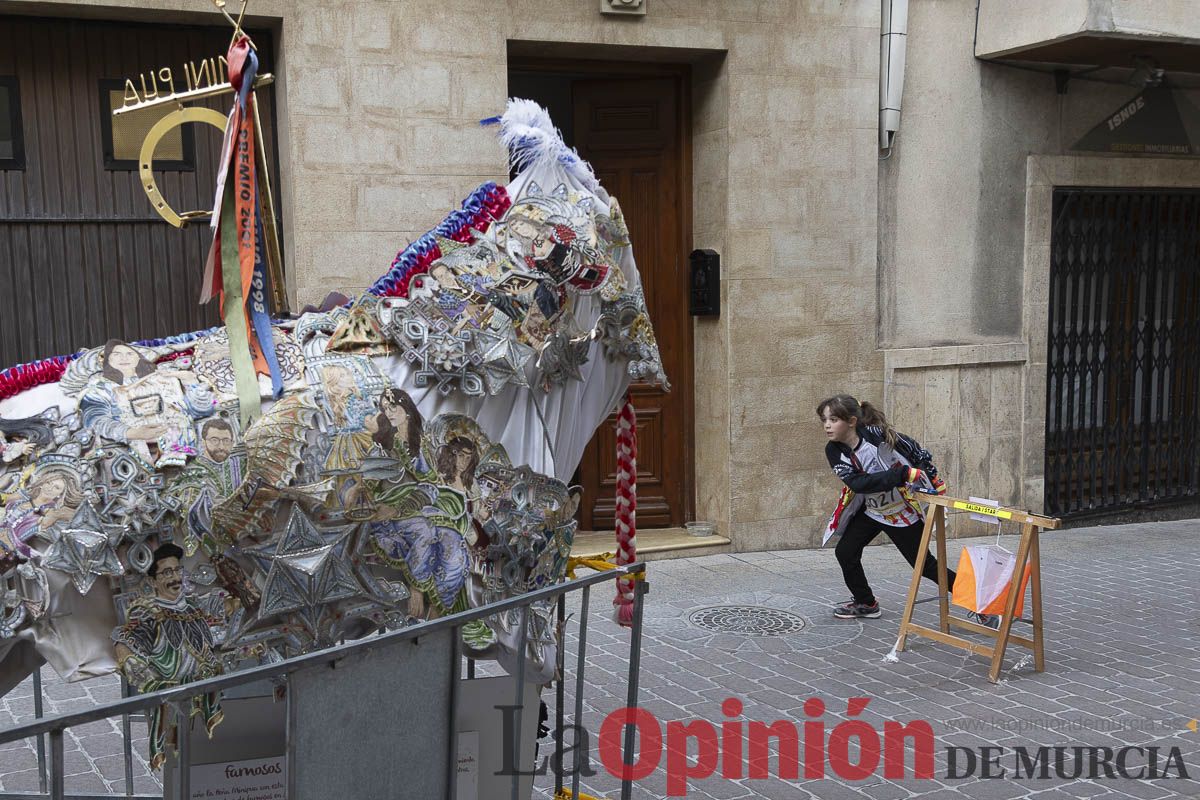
(1027, 551)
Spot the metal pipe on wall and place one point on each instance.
(893, 38)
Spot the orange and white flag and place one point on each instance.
(985, 577)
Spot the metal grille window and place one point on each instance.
(1123, 360)
(12, 146)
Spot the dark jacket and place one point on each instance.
(860, 481)
(908, 452)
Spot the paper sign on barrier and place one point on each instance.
(256, 779)
(988, 516)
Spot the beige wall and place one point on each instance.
(1006, 26)
(963, 403)
(952, 196)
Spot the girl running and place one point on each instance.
(878, 466)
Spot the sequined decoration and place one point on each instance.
(561, 358)
(625, 331)
(83, 550)
(134, 507)
(443, 357)
(211, 360)
(503, 359)
(307, 569)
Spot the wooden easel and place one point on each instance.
(935, 521)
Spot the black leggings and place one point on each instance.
(859, 533)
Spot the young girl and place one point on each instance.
(878, 465)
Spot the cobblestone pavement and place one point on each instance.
(1122, 630)
(1122, 617)
(93, 753)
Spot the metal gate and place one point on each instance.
(1123, 360)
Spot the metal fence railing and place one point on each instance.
(49, 731)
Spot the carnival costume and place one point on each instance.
(510, 332)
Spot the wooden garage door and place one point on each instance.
(83, 257)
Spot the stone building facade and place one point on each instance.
(917, 281)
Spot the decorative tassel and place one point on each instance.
(626, 516)
(243, 306)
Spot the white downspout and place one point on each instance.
(893, 36)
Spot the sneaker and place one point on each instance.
(986, 620)
(853, 610)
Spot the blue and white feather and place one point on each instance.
(533, 141)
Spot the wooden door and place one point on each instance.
(83, 255)
(631, 131)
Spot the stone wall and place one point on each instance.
(959, 403)
(1009, 25)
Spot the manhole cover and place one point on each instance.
(748, 620)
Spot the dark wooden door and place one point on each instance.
(632, 133)
(83, 256)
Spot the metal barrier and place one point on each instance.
(51, 774)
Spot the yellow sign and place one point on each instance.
(976, 508)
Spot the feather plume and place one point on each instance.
(532, 140)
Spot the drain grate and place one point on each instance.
(748, 620)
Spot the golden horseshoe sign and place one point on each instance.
(146, 158)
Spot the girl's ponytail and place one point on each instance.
(873, 416)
